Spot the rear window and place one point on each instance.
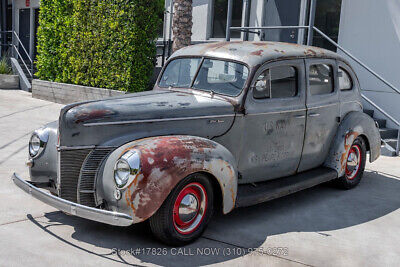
(345, 81)
(321, 79)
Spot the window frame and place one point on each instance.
(210, 30)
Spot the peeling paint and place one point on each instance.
(166, 160)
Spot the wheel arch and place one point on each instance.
(165, 161)
(355, 124)
(366, 141)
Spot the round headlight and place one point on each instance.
(34, 145)
(126, 168)
(38, 142)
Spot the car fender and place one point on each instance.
(353, 125)
(165, 161)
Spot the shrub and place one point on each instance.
(4, 66)
(109, 44)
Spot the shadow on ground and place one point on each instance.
(319, 209)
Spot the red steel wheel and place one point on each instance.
(354, 160)
(355, 165)
(189, 208)
(186, 212)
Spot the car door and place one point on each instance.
(274, 122)
(323, 111)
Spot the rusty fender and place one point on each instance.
(353, 125)
(165, 161)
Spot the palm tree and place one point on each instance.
(182, 24)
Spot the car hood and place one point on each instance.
(144, 114)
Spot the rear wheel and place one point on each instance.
(355, 165)
(185, 213)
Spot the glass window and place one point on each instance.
(320, 79)
(327, 19)
(220, 15)
(222, 77)
(277, 82)
(180, 72)
(345, 82)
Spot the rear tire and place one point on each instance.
(355, 165)
(184, 215)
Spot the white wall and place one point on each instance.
(370, 30)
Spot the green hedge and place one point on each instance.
(109, 44)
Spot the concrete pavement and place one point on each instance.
(321, 226)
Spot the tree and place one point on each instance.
(182, 24)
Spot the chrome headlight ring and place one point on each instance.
(127, 168)
(38, 142)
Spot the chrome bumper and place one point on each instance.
(104, 216)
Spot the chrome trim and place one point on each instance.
(43, 135)
(353, 101)
(132, 158)
(156, 120)
(275, 112)
(75, 147)
(98, 215)
(322, 106)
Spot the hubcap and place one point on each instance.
(189, 208)
(353, 162)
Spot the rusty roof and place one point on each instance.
(254, 53)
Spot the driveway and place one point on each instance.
(321, 226)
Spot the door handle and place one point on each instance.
(314, 115)
(300, 116)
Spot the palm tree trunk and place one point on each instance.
(182, 24)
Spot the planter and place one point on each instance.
(9, 81)
(69, 93)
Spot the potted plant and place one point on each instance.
(7, 79)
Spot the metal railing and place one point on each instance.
(370, 70)
(15, 48)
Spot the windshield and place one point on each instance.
(218, 76)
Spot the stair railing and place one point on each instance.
(20, 45)
(391, 86)
(326, 37)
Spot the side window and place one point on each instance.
(321, 79)
(345, 82)
(277, 82)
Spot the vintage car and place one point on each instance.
(227, 125)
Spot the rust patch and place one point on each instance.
(264, 44)
(84, 116)
(257, 53)
(165, 161)
(351, 136)
(217, 45)
(310, 52)
(279, 51)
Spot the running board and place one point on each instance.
(251, 194)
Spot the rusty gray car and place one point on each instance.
(227, 125)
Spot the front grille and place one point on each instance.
(70, 167)
(87, 179)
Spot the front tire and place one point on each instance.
(185, 213)
(355, 165)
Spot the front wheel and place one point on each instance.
(185, 213)
(355, 165)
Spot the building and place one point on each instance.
(368, 30)
(22, 16)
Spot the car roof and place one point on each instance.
(254, 53)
